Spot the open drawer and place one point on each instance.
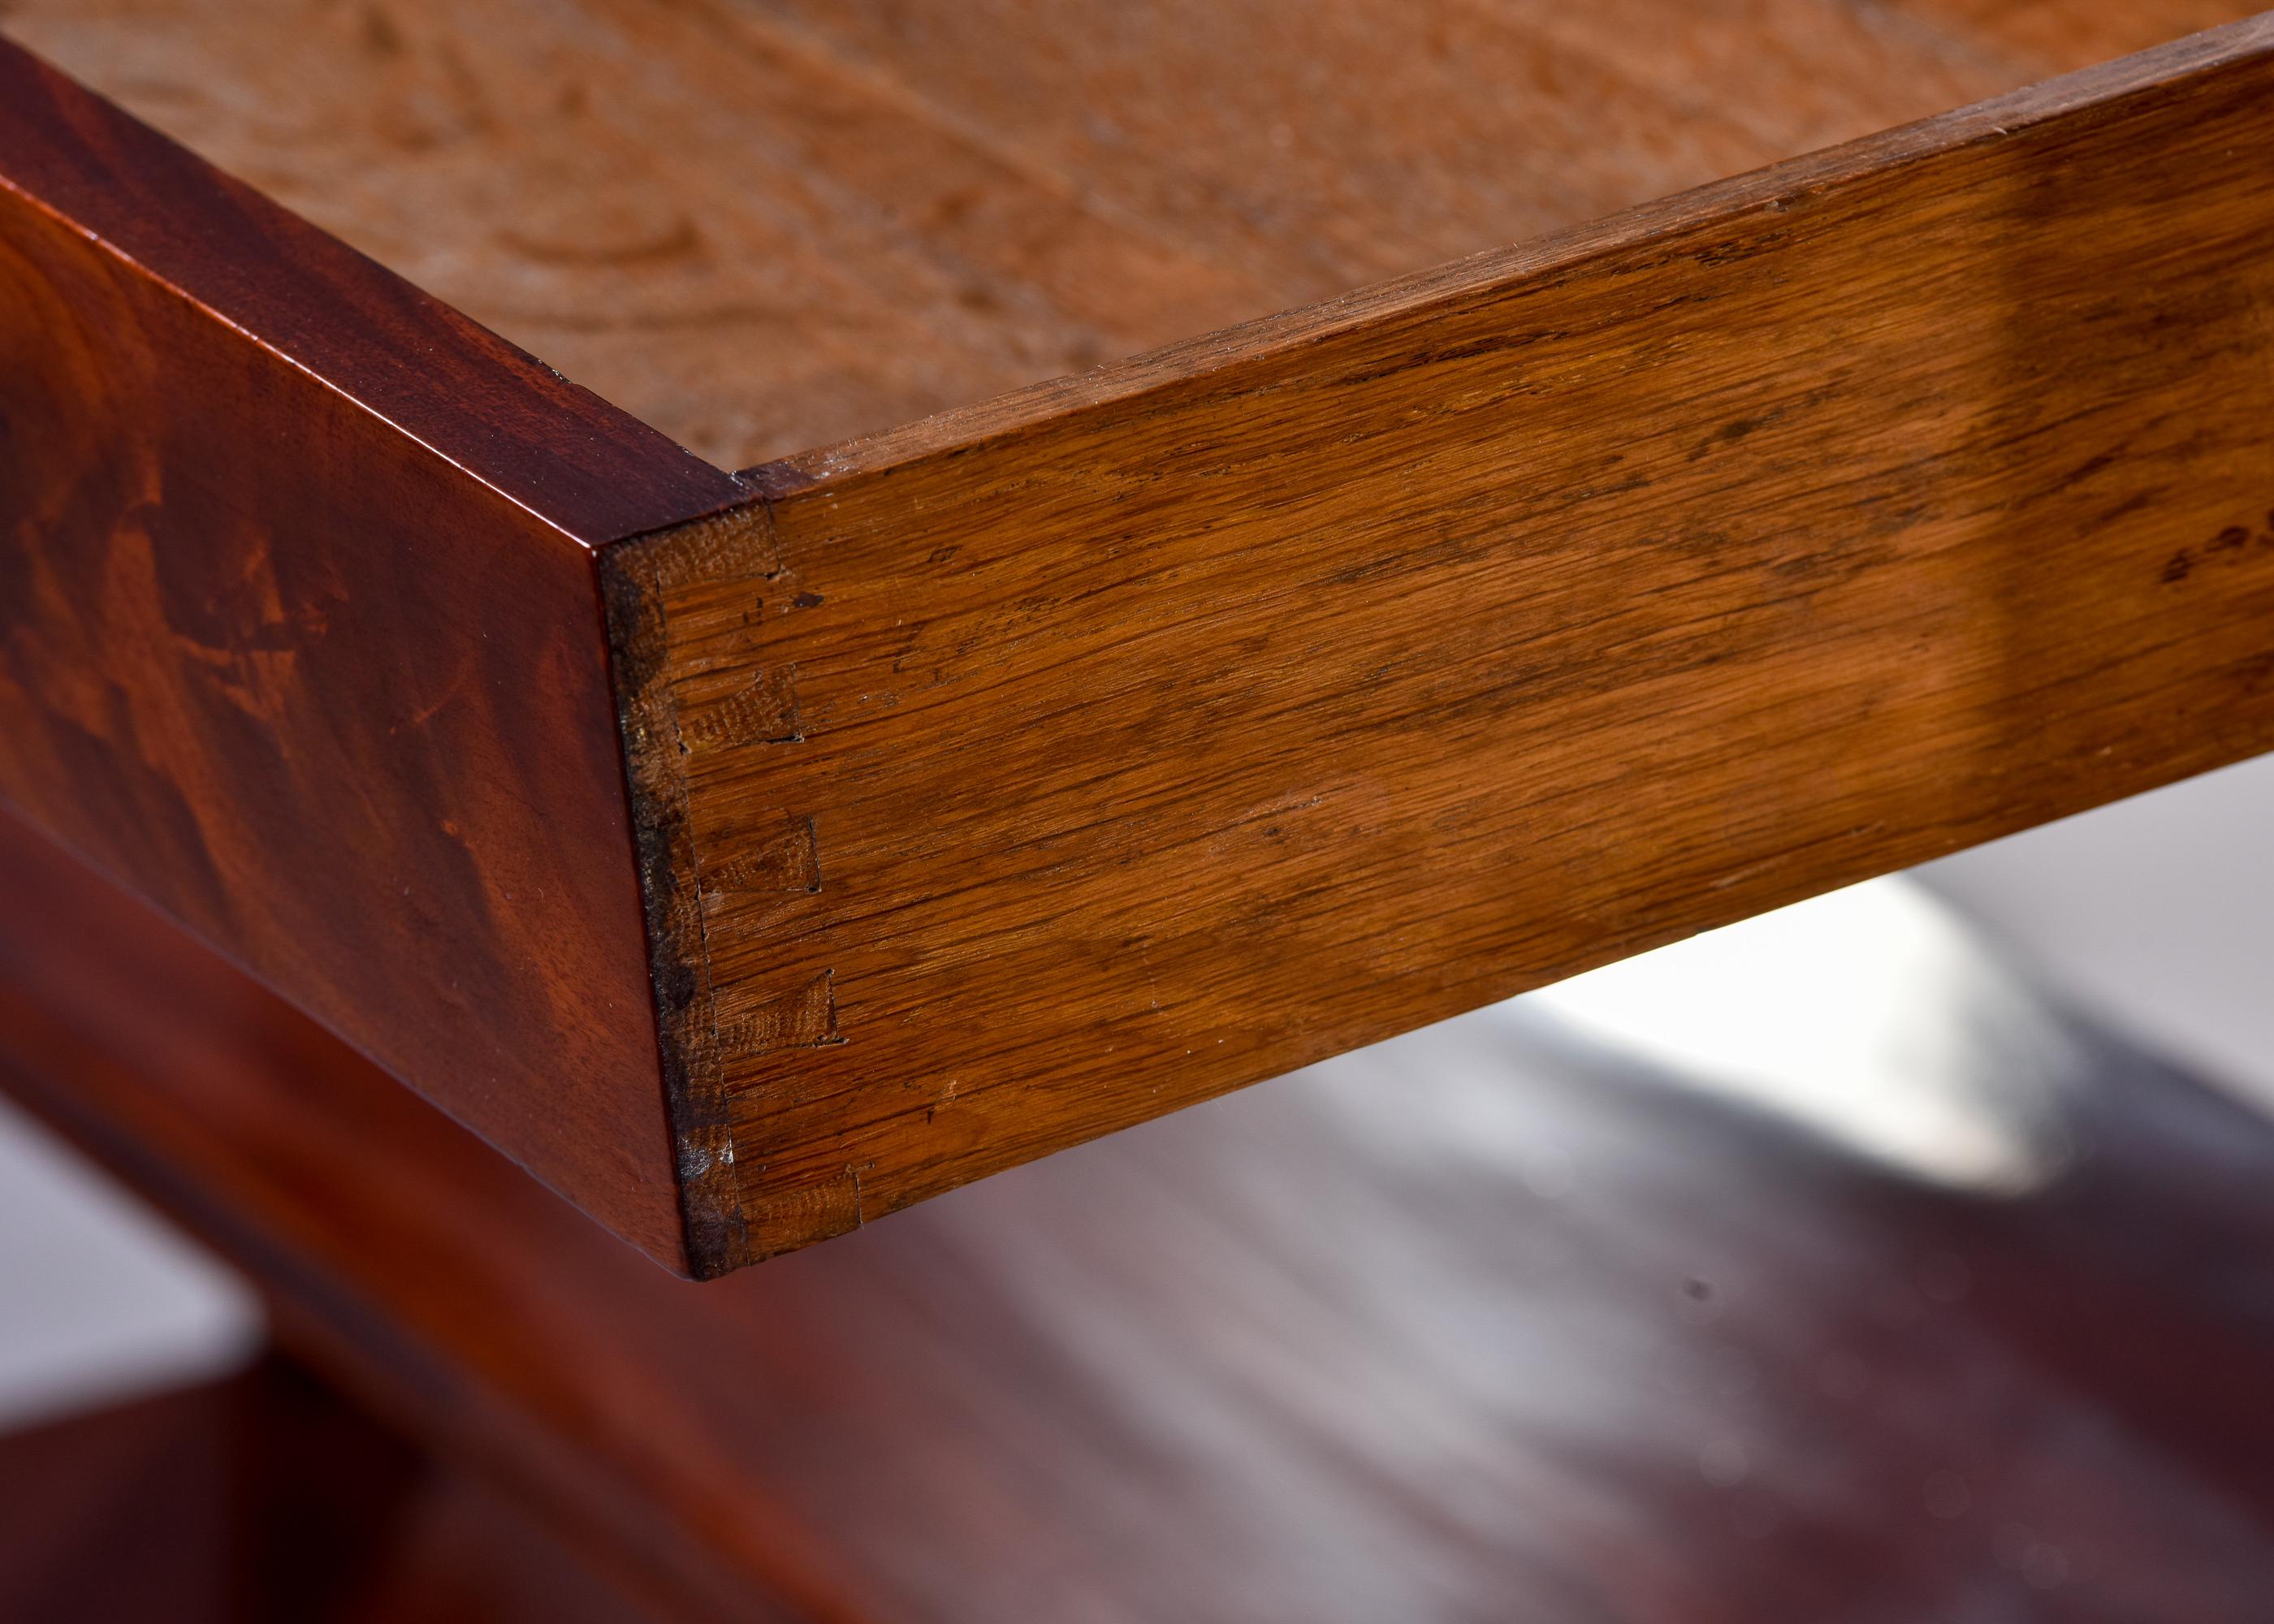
(750, 856)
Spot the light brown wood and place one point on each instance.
(765, 225)
(1041, 768)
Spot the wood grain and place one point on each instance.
(1481, 1324)
(300, 637)
(1014, 775)
(1038, 769)
(766, 225)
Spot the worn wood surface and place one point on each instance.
(765, 225)
(1037, 769)
(299, 636)
(1484, 1323)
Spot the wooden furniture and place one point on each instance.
(1069, 738)
(750, 855)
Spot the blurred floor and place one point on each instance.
(2157, 914)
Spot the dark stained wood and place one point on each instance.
(156, 1478)
(299, 635)
(797, 220)
(267, 1499)
(1484, 1323)
(1041, 768)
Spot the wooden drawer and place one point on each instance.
(752, 855)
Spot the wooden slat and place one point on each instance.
(299, 635)
(1035, 770)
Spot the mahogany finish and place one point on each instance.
(299, 635)
(1482, 1323)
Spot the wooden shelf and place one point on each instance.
(749, 856)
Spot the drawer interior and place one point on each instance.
(768, 225)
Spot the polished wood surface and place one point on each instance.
(765, 225)
(299, 636)
(1493, 1321)
(1023, 772)
(1041, 768)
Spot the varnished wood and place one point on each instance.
(299, 635)
(1024, 773)
(1040, 768)
(1484, 1323)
